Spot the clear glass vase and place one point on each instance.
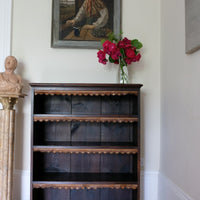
(123, 74)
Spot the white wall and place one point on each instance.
(39, 63)
(180, 97)
(5, 33)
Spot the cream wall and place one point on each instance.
(180, 97)
(5, 33)
(38, 62)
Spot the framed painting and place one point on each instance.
(84, 23)
(192, 25)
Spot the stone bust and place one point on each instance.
(9, 81)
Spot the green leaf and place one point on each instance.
(140, 45)
(111, 60)
(120, 35)
(102, 41)
(136, 44)
(122, 52)
(112, 37)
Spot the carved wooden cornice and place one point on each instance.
(85, 186)
(47, 118)
(85, 93)
(84, 150)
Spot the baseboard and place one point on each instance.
(149, 185)
(169, 190)
(21, 185)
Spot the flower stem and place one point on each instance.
(123, 75)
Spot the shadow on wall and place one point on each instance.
(21, 182)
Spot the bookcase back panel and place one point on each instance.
(87, 105)
(84, 163)
(51, 194)
(85, 194)
(121, 194)
(122, 132)
(117, 163)
(98, 194)
(119, 105)
(84, 132)
(51, 162)
(51, 131)
(52, 104)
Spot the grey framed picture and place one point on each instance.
(192, 25)
(84, 23)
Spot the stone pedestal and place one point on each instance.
(7, 127)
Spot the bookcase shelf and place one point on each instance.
(86, 118)
(86, 149)
(85, 141)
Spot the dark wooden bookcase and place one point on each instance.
(85, 142)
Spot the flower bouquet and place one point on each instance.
(120, 51)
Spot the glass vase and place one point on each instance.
(123, 74)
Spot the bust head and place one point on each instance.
(10, 63)
(9, 81)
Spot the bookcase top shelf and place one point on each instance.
(85, 93)
(86, 86)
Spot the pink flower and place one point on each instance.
(130, 53)
(102, 57)
(119, 51)
(138, 57)
(112, 47)
(106, 45)
(115, 54)
(128, 60)
(121, 45)
(134, 59)
(125, 43)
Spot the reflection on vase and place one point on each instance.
(123, 74)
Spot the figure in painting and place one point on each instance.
(92, 15)
(9, 81)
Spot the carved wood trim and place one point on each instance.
(121, 119)
(84, 93)
(88, 151)
(84, 186)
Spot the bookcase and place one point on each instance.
(85, 141)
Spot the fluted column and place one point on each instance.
(7, 127)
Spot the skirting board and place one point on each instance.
(169, 190)
(149, 185)
(21, 187)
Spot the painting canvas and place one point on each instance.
(192, 24)
(84, 23)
